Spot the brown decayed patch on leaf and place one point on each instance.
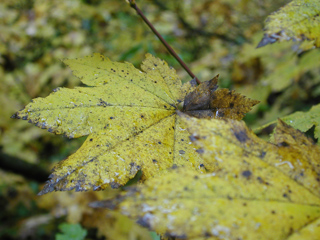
(253, 193)
(130, 118)
(208, 102)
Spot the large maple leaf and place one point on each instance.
(258, 190)
(130, 117)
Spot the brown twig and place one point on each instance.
(172, 52)
(23, 168)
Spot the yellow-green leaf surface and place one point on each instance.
(130, 117)
(258, 190)
(302, 121)
(299, 20)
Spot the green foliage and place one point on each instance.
(155, 236)
(302, 121)
(283, 70)
(71, 232)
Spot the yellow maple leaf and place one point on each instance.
(258, 190)
(130, 117)
(299, 20)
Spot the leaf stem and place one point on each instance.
(169, 48)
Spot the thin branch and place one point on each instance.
(25, 169)
(172, 52)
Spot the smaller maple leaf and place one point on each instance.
(208, 102)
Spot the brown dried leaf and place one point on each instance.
(208, 102)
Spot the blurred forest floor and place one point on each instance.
(212, 37)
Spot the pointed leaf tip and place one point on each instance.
(14, 116)
(266, 40)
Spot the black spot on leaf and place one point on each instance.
(283, 144)
(200, 150)
(262, 154)
(143, 222)
(246, 173)
(241, 136)
(193, 138)
(260, 179)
